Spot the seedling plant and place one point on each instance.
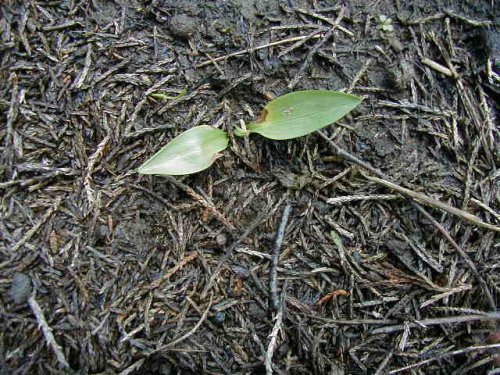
(289, 116)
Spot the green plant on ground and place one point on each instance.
(385, 24)
(289, 116)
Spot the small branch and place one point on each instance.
(273, 336)
(418, 197)
(12, 113)
(249, 50)
(188, 334)
(78, 83)
(361, 197)
(422, 198)
(272, 342)
(438, 67)
(142, 102)
(469, 349)
(273, 273)
(47, 332)
(310, 57)
(437, 321)
(262, 217)
(37, 226)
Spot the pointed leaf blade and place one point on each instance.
(302, 112)
(193, 151)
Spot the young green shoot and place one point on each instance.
(289, 116)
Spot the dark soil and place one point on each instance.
(104, 271)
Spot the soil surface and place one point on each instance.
(391, 218)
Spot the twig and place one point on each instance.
(353, 322)
(383, 364)
(61, 26)
(9, 149)
(37, 226)
(140, 104)
(301, 42)
(78, 83)
(315, 49)
(21, 29)
(359, 74)
(346, 155)
(268, 361)
(469, 349)
(273, 273)
(188, 334)
(468, 20)
(250, 50)
(133, 367)
(419, 197)
(422, 198)
(113, 69)
(93, 160)
(438, 67)
(233, 246)
(486, 208)
(156, 196)
(146, 130)
(335, 23)
(272, 343)
(471, 163)
(47, 332)
(372, 197)
(310, 56)
(437, 321)
(439, 296)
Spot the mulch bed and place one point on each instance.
(371, 247)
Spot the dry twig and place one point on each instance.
(275, 255)
(47, 332)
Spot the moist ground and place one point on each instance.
(157, 275)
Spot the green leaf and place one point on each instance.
(302, 112)
(194, 150)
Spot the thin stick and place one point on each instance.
(422, 198)
(310, 56)
(419, 197)
(230, 249)
(437, 321)
(78, 83)
(188, 334)
(142, 102)
(47, 332)
(438, 67)
(469, 349)
(249, 50)
(10, 147)
(273, 273)
(368, 197)
(272, 342)
(315, 49)
(335, 23)
(37, 226)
